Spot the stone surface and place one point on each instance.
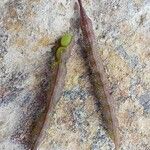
(27, 30)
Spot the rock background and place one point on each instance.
(27, 30)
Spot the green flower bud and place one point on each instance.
(66, 40)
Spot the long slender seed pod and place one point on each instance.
(55, 91)
(98, 77)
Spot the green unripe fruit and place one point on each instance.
(65, 40)
(59, 52)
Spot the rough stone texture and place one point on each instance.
(27, 30)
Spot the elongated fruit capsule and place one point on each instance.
(98, 77)
(57, 83)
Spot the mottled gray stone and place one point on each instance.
(28, 29)
(75, 93)
(145, 102)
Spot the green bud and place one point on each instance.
(66, 40)
(59, 52)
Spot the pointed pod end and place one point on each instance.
(115, 139)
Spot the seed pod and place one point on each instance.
(99, 77)
(57, 80)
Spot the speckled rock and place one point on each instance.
(28, 29)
